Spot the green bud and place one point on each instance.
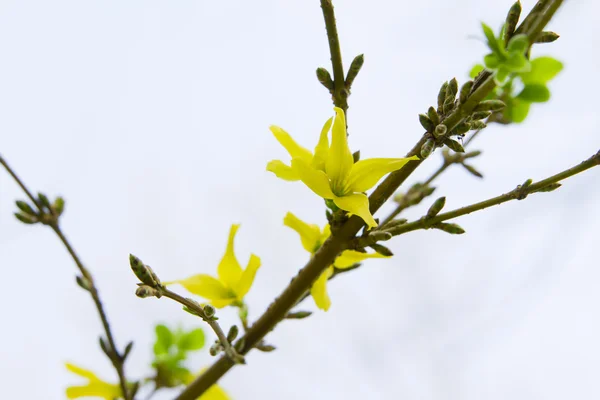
(549, 188)
(464, 92)
(144, 291)
(298, 314)
(395, 222)
(58, 206)
(454, 145)
(209, 310)
(267, 348)
(449, 105)
(143, 272)
(440, 130)
(215, 349)
(26, 218)
(452, 89)
(427, 148)
(490, 105)
(426, 123)
(43, 199)
(527, 183)
(105, 348)
(26, 208)
(436, 207)
(480, 115)
(127, 350)
(462, 128)
(472, 154)
(356, 156)
(473, 171)
(477, 125)
(433, 115)
(546, 37)
(453, 229)
(380, 236)
(83, 282)
(511, 20)
(239, 345)
(233, 333)
(325, 78)
(384, 251)
(442, 96)
(354, 69)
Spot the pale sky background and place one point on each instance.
(151, 118)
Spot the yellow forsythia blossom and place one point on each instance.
(312, 238)
(331, 172)
(232, 283)
(94, 388)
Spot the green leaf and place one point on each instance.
(518, 110)
(193, 340)
(454, 145)
(477, 68)
(518, 44)
(491, 61)
(534, 93)
(491, 39)
(542, 70)
(517, 62)
(164, 340)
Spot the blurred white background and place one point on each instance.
(151, 118)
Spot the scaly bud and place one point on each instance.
(43, 199)
(464, 92)
(144, 291)
(546, 37)
(454, 145)
(26, 218)
(26, 208)
(233, 333)
(477, 125)
(354, 69)
(462, 128)
(440, 130)
(380, 236)
(384, 251)
(209, 310)
(490, 105)
(58, 206)
(436, 207)
(298, 314)
(452, 89)
(442, 96)
(426, 123)
(325, 78)
(143, 272)
(83, 283)
(549, 188)
(427, 148)
(511, 20)
(433, 115)
(453, 229)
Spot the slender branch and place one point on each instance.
(340, 92)
(194, 306)
(336, 243)
(519, 193)
(115, 357)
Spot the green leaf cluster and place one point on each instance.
(171, 349)
(507, 59)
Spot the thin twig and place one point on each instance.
(115, 357)
(340, 93)
(518, 193)
(335, 244)
(194, 306)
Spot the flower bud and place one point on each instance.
(512, 19)
(83, 282)
(433, 116)
(233, 333)
(490, 105)
(453, 229)
(436, 207)
(43, 199)
(464, 92)
(477, 125)
(354, 69)
(26, 218)
(384, 251)
(209, 310)
(442, 96)
(454, 145)
(426, 123)
(480, 115)
(144, 291)
(427, 148)
(298, 314)
(462, 128)
(143, 272)
(58, 206)
(325, 78)
(546, 37)
(26, 208)
(440, 130)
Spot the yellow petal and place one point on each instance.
(95, 389)
(282, 171)
(339, 160)
(215, 392)
(205, 286)
(247, 278)
(295, 150)
(322, 148)
(358, 204)
(366, 173)
(310, 234)
(316, 180)
(229, 268)
(318, 291)
(350, 257)
(220, 303)
(82, 372)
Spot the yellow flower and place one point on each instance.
(232, 283)
(94, 388)
(215, 392)
(331, 172)
(312, 238)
